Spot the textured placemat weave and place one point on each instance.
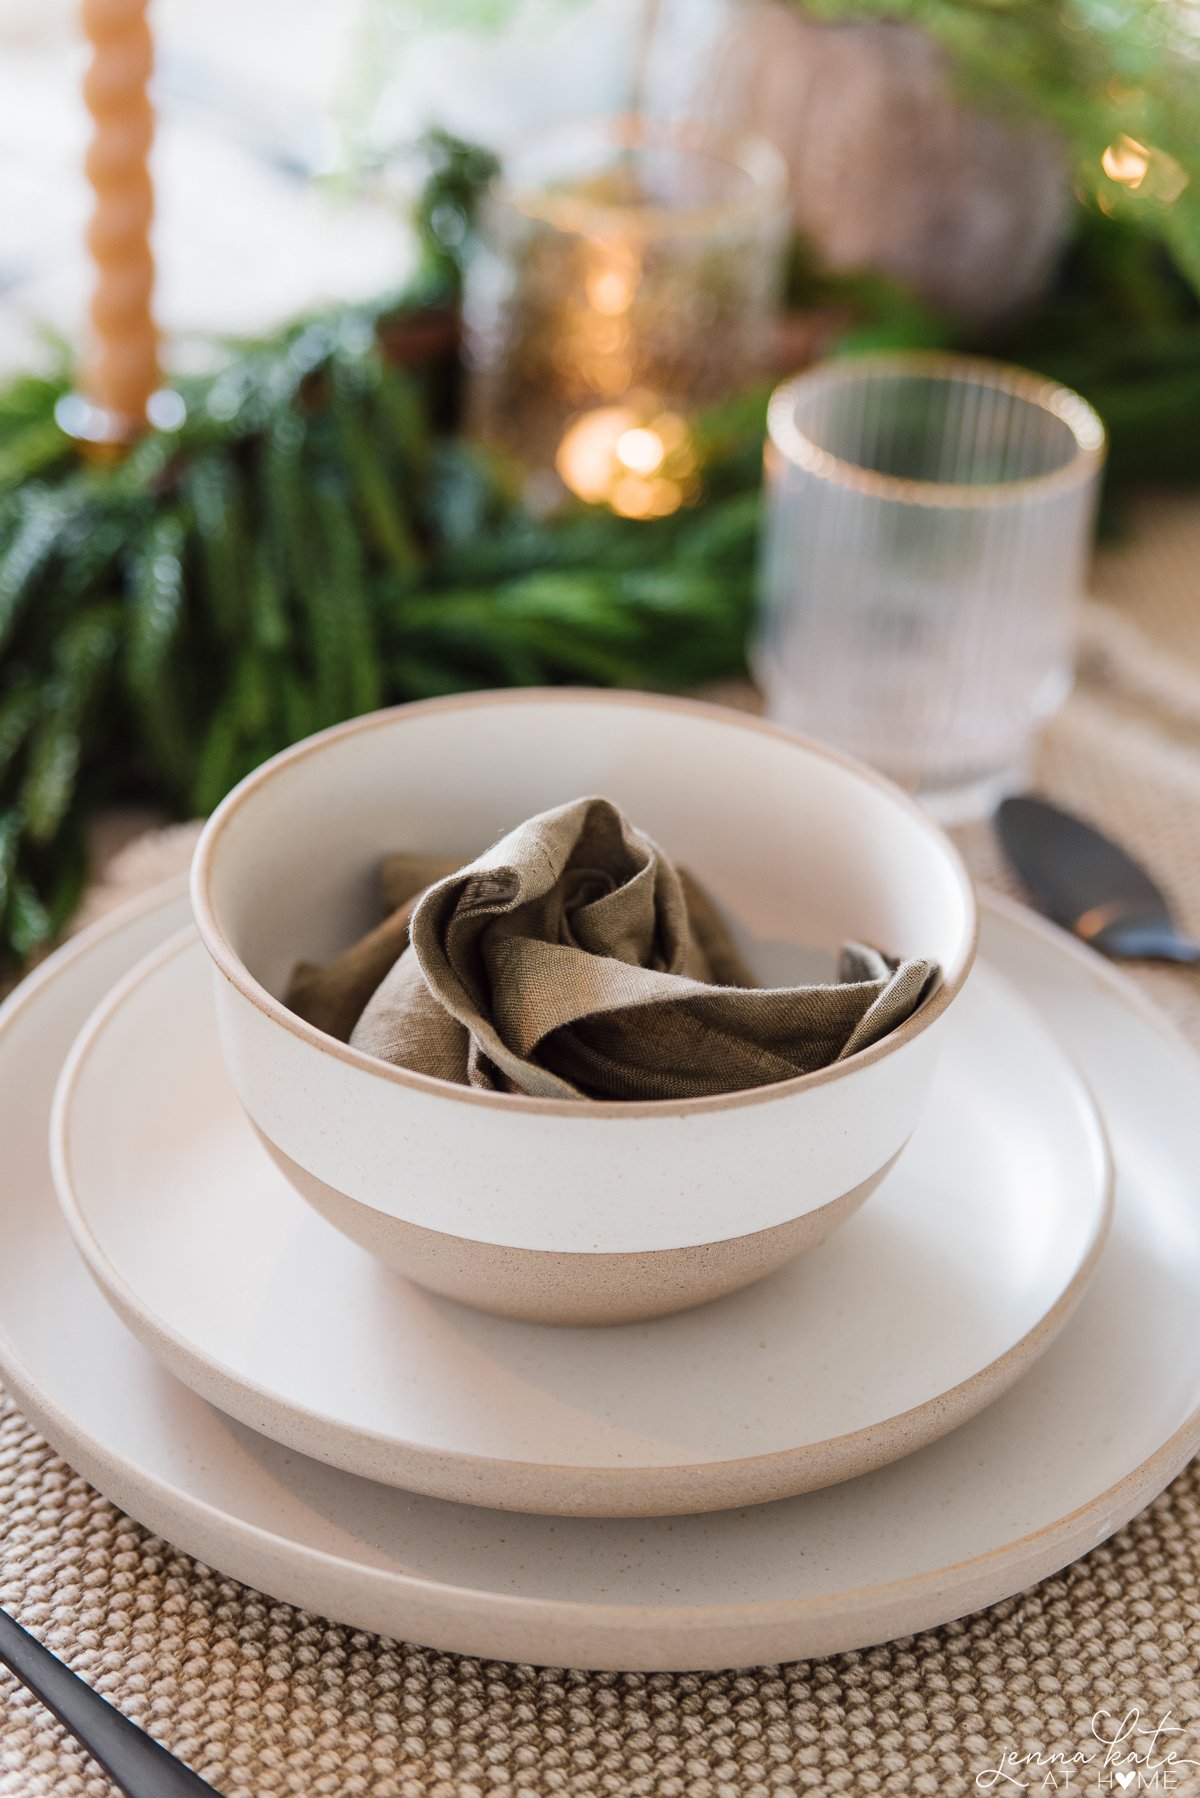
(263, 1699)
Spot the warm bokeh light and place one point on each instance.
(1126, 162)
(633, 496)
(672, 433)
(632, 458)
(641, 450)
(1141, 170)
(587, 455)
(610, 290)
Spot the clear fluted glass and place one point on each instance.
(927, 531)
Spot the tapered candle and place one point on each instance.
(120, 368)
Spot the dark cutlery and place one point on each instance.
(1088, 883)
(137, 1764)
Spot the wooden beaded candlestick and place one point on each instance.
(120, 372)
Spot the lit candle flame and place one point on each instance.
(611, 290)
(641, 450)
(639, 466)
(587, 455)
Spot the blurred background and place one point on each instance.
(269, 115)
(950, 145)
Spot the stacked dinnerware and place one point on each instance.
(654, 1383)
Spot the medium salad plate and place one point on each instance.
(916, 1313)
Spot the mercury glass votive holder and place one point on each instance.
(927, 529)
(625, 274)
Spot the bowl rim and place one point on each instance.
(230, 965)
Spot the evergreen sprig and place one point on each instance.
(305, 548)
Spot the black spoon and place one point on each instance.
(1088, 883)
(137, 1764)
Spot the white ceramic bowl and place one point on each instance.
(576, 1211)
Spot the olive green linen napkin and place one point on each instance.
(572, 960)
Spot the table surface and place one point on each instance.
(264, 1699)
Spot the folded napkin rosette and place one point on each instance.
(572, 960)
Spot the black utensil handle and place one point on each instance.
(138, 1765)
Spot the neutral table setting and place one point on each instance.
(260, 1697)
(600, 900)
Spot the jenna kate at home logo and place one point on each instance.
(1132, 1753)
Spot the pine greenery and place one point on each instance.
(311, 545)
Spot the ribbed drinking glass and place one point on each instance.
(927, 532)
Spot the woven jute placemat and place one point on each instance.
(264, 1699)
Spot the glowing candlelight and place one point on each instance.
(1126, 162)
(641, 450)
(1141, 170)
(587, 455)
(642, 466)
